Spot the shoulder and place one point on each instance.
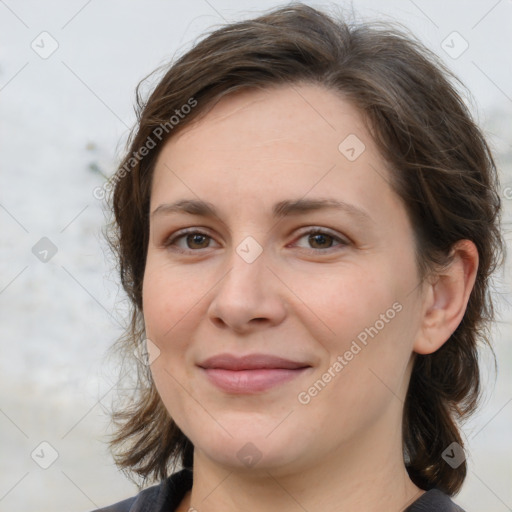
(122, 506)
(145, 498)
(165, 496)
(434, 501)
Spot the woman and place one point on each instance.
(306, 221)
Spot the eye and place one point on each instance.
(322, 240)
(192, 238)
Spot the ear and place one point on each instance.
(446, 298)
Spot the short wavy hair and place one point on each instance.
(442, 168)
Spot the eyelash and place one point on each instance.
(194, 231)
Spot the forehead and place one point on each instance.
(259, 146)
(304, 114)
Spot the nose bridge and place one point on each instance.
(247, 268)
(248, 290)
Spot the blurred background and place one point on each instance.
(68, 72)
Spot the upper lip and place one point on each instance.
(250, 362)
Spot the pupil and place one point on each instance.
(196, 239)
(319, 238)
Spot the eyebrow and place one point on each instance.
(280, 209)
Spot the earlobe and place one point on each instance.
(447, 297)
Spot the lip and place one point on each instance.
(250, 362)
(253, 373)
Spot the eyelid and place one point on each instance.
(326, 231)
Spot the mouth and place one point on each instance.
(250, 374)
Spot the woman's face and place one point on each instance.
(309, 258)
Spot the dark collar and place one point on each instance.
(167, 496)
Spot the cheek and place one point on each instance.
(371, 319)
(348, 301)
(169, 306)
(174, 302)
(168, 297)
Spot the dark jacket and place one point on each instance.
(166, 497)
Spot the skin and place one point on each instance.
(303, 298)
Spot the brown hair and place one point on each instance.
(442, 169)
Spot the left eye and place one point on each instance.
(322, 239)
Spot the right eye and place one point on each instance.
(192, 238)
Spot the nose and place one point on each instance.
(248, 297)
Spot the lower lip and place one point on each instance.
(251, 381)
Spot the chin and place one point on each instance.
(251, 448)
(246, 456)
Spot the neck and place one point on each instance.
(347, 479)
